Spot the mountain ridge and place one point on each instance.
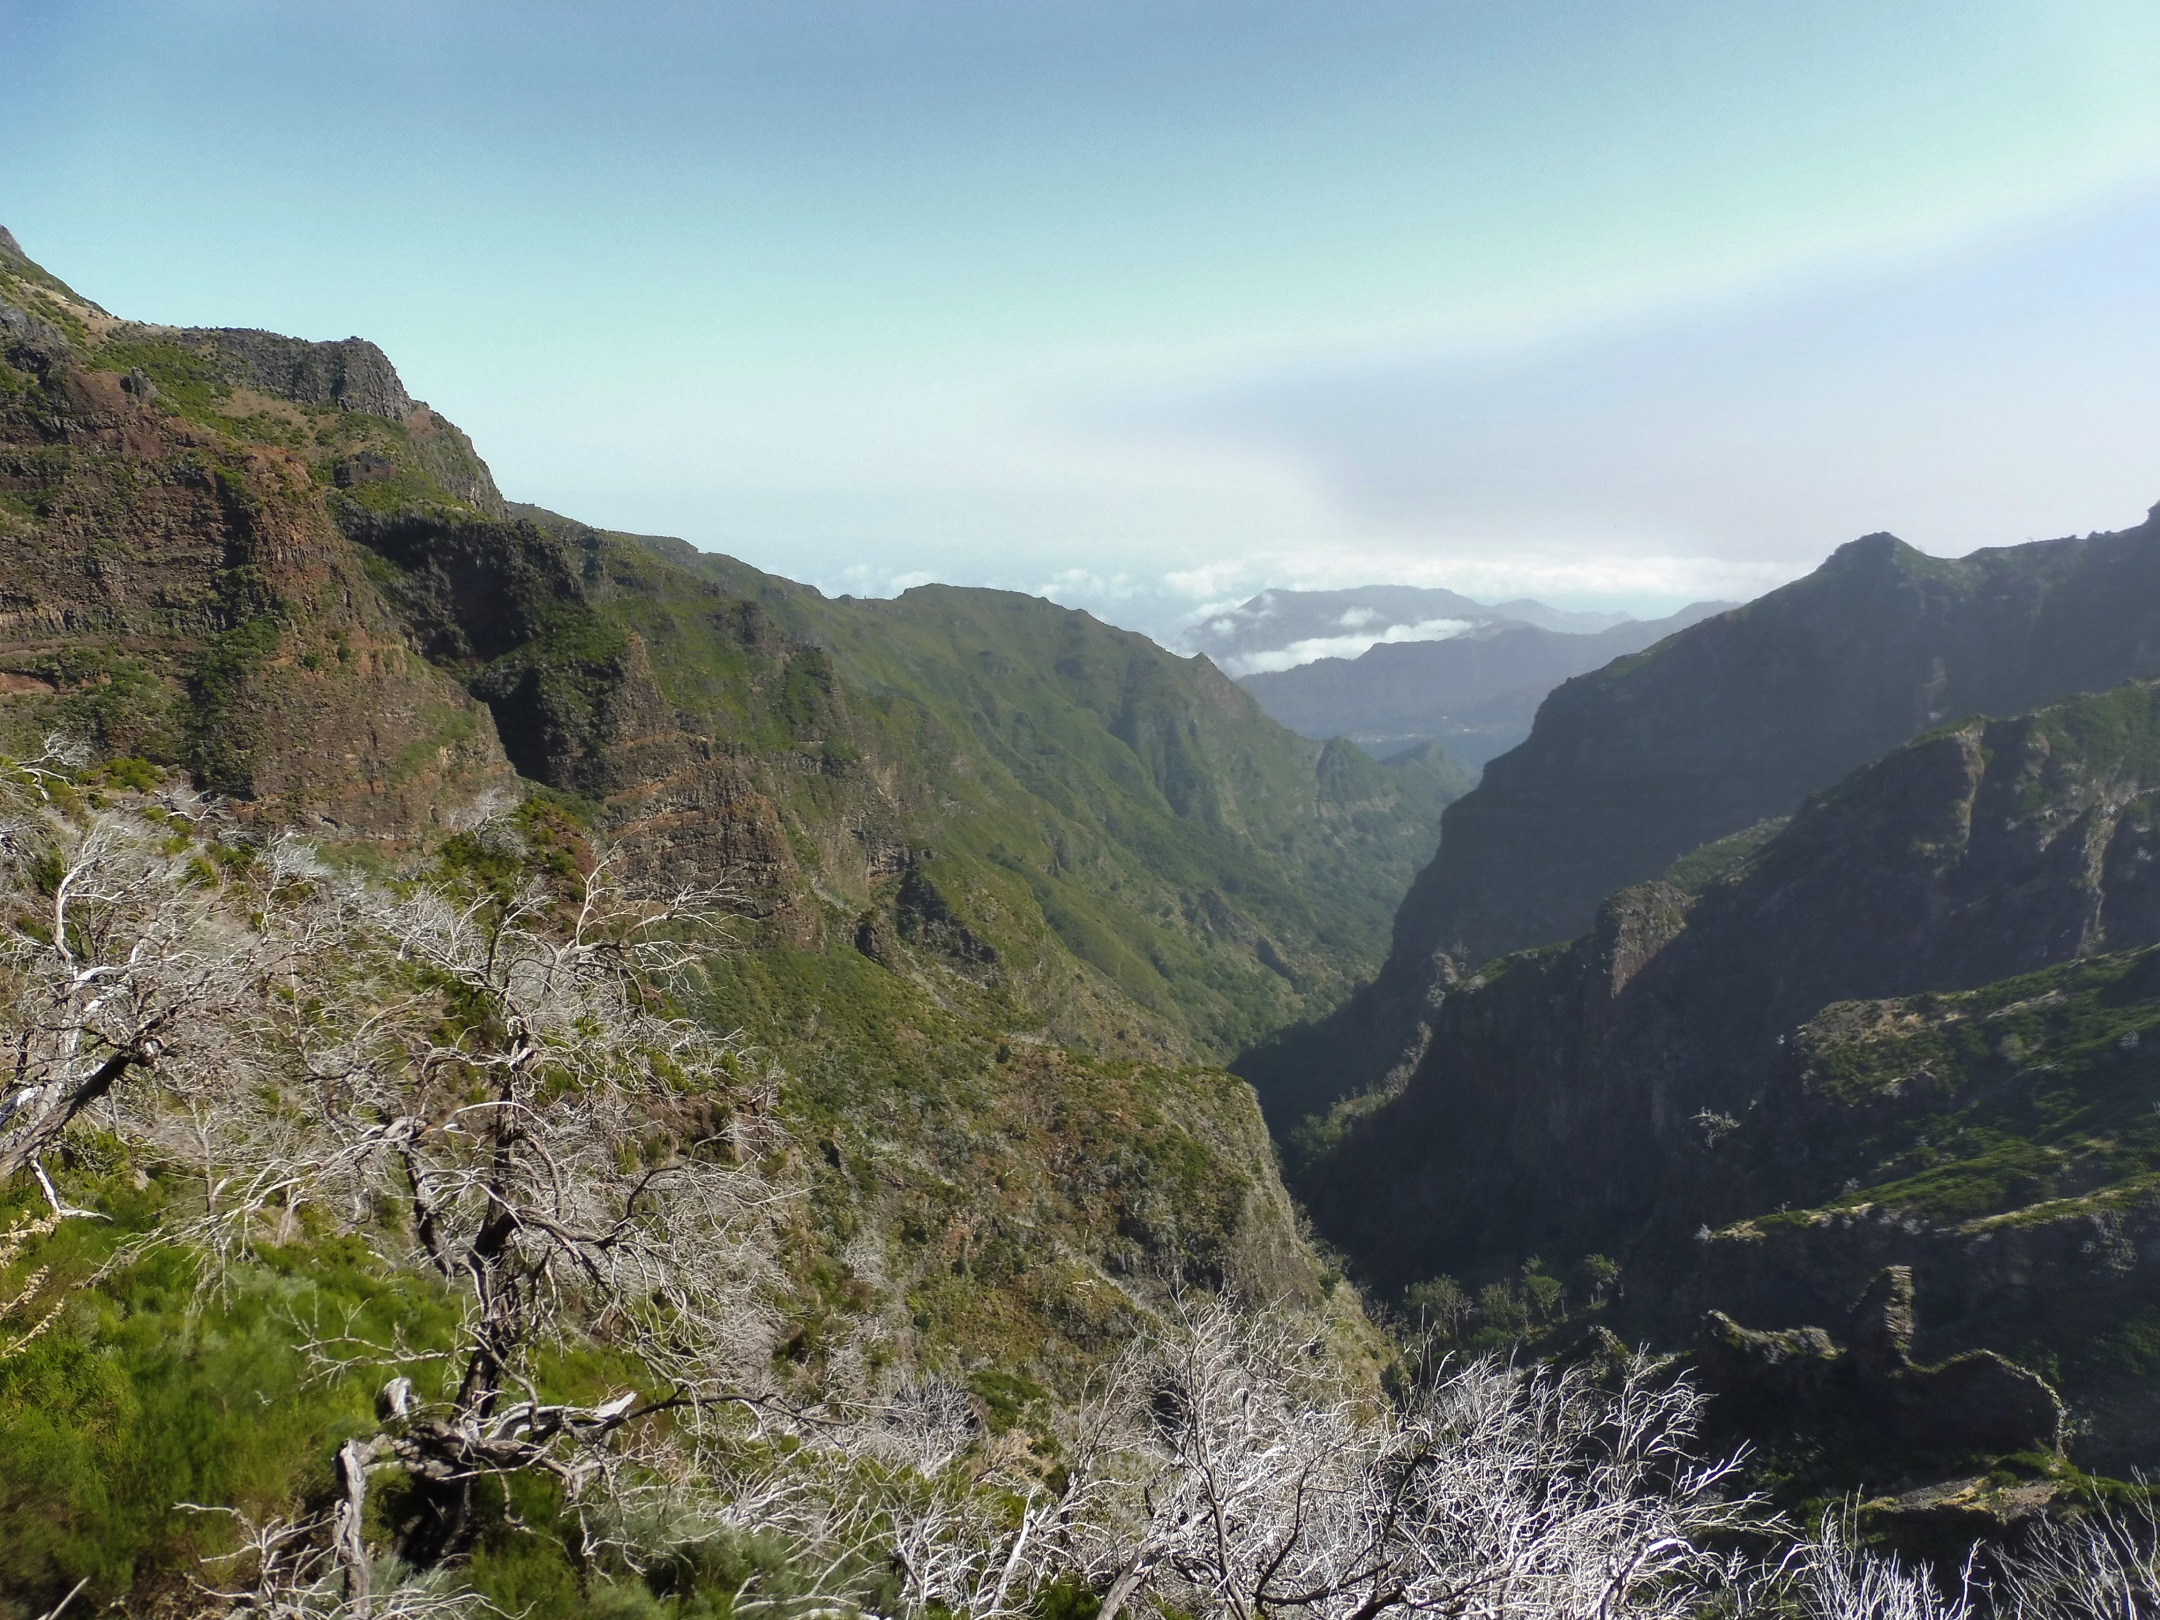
(1902, 1029)
(256, 565)
(616, 667)
(1301, 625)
(1729, 723)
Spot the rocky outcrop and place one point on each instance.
(1914, 1028)
(351, 374)
(1798, 1368)
(30, 342)
(1975, 1402)
(171, 594)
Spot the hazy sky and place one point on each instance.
(1148, 304)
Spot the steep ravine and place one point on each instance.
(1916, 1010)
(1729, 723)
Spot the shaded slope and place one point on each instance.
(1731, 722)
(1909, 1028)
(2001, 1142)
(1742, 716)
(1558, 1097)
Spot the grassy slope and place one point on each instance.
(2023, 1094)
(2003, 1141)
(1221, 872)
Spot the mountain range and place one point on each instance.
(1006, 882)
(1280, 629)
(1473, 693)
(1786, 1001)
(1771, 961)
(258, 559)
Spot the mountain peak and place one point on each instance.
(349, 373)
(9, 246)
(1869, 550)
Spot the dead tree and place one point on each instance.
(493, 1065)
(479, 1076)
(118, 959)
(1238, 1476)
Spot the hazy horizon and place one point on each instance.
(1148, 308)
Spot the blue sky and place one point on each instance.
(1152, 304)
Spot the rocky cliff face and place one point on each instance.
(179, 592)
(1907, 1030)
(1561, 1084)
(1729, 723)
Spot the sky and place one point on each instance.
(1150, 304)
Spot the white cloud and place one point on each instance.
(1350, 646)
(1648, 582)
(1081, 587)
(868, 579)
(2000, 393)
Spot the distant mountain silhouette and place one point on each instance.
(1475, 694)
(1725, 725)
(1279, 630)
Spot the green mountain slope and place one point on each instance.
(1008, 878)
(1126, 841)
(1168, 833)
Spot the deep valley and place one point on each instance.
(558, 1071)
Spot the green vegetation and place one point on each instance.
(1009, 879)
(153, 1383)
(1991, 1101)
(1124, 829)
(1003, 1214)
(1697, 870)
(998, 1201)
(185, 378)
(1084, 794)
(1534, 1309)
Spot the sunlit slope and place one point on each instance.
(1217, 869)
(260, 559)
(991, 974)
